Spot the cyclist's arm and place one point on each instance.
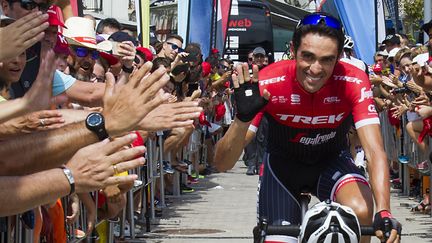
(371, 140)
(230, 147)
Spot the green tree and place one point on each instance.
(413, 14)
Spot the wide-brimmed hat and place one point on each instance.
(80, 32)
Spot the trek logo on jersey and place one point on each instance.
(272, 80)
(372, 109)
(312, 119)
(295, 99)
(365, 94)
(318, 139)
(331, 100)
(348, 79)
(279, 99)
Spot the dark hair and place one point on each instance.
(214, 62)
(108, 22)
(174, 36)
(166, 62)
(321, 29)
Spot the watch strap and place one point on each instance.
(100, 131)
(127, 70)
(70, 178)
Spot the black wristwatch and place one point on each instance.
(95, 122)
(127, 70)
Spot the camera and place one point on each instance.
(403, 90)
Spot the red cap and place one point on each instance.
(220, 111)
(53, 17)
(214, 50)
(111, 59)
(203, 120)
(377, 68)
(148, 54)
(206, 69)
(62, 46)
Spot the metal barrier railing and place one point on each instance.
(194, 151)
(398, 143)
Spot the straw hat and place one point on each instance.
(80, 32)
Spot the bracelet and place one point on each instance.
(127, 70)
(70, 178)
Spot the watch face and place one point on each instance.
(94, 120)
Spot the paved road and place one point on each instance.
(222, 209)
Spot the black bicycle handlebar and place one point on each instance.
(294, 230)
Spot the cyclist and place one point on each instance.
(311, 103)
(348, 55)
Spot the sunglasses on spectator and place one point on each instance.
(175, 47)
(30, 5)
(83, 52)
(320, 18)
(250, 58)
(259, 55)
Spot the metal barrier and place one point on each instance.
(194, 151)
(397, 143)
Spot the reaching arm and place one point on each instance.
(31, 190)
(371, 140)
(85, 93)
(230, 147)
(43, 150)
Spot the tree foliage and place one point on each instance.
(413, 11)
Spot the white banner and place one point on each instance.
(381, 21)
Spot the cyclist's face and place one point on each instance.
(316, 58)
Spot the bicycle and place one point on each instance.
(263, 229)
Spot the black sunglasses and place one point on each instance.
(30, 5)
(175, 47)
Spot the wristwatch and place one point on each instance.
(127, 70)
(95, 122)
(70, 179)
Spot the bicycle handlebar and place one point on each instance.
(294, 230)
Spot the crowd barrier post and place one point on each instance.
(151, 174)
(161, 171)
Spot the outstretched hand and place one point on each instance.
(22, 34)
(247, 94)
(125, 105)
(94, 166)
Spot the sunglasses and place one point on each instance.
(319, 18)
(83, 52)
(250, 58)
(30, 5)
(175, 47)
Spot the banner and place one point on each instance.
(223, 11)
(200, 20)
(183, 16)
(381, 21)
(360, 25)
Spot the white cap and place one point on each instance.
(393, 52)
(421, 59)
(383, 53)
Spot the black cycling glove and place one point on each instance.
(249, 101)
(385, 222)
